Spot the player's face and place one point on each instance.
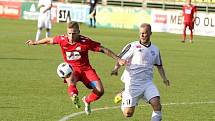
(73, 34)
(145, 34)
(188, 2)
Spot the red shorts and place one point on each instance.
(189, 24)
(86, 76)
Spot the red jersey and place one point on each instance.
(188, 12)
(77, 54)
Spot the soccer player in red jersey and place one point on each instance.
(75, 49)
(189, 14)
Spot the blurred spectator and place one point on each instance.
(92, 13)
(44, 19)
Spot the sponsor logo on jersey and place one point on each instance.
(78, 48)
(153, 53)
(138, 46)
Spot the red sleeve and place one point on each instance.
(94, 46)
(57, 40)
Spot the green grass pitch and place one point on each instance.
(30, 89)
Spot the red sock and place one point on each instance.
(92, 97)
(72, 90)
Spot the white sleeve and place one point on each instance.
(158, 60)
(126, 52)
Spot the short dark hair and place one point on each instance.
(73, 25)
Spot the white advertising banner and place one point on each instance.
(172, 21)
(74, 12)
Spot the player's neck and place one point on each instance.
(147, 44)
(72, 43)
(189, 4)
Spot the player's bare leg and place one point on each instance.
(156, 114)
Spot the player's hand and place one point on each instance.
(122, 62)
(166, 82)
(114, 72)
(30, 42)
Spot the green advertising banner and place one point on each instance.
(122, 17)
(29, 11)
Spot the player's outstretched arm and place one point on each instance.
(113, 55)
(163, 75)
(42, 41)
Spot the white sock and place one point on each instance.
(122, 108)
(39, 32)
(156, 116)
(48, 34)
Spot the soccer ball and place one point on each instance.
(64, 69)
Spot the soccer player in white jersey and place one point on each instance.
(141, 57)
(44, 19)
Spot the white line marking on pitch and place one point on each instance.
(114, 107)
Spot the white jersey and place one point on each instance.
(44, 19)
(141, 60)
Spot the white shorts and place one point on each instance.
(130, 98)
(44, 21)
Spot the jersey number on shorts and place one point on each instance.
(128, 102)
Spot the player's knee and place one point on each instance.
(128, 114)
(100, 92)
(97, 88)
(156, 105)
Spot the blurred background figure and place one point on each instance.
(44, 19)
(92, 14)
(189, 14)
